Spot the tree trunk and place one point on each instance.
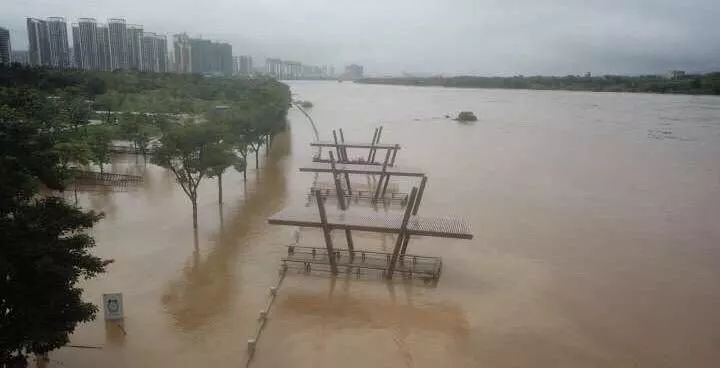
(101, 168)
(220, 188)
(267, 145)
(257, 157)
(194, 208)
(245, 172)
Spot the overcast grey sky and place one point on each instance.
(484, 37)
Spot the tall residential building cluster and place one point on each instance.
(95, 46)
(196, 55)
(116, 45)
(285, 69)
(5, 48)
(243, 65)
(353, 71)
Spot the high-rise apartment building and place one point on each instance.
(88, 45)
(134, 46)
(149, 52)
(162, 53)
(291, 70)
(59, 50)
(243, 65)
(201, 56)
(353, 71)
(103, 48)
(195, 55)
(210, 57)
(154, 53)
(77, 61)
(5, 49)
(38, 42)
(273, 67)
(224, 58)
(118, 44)
(183, 53)
(48, 42)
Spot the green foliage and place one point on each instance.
(139, 129)
(99, 138)
(46, 129)
(72, 153)
(44, 250)
(192, 152)
(197, 139)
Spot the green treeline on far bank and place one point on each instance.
(678, 83)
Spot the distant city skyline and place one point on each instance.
(475, 37)
(115, 45)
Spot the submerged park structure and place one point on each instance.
(357, 210)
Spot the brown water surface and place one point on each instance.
(596, 244)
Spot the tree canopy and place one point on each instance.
(192, 152)
(53, 121)
(44, 250)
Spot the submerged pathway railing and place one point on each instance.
(89, 178)
(341, 149)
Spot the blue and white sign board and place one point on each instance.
(113, 306)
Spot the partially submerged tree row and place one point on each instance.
(52, 122)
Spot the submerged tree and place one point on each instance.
(249, 131)
(99, 138)
(222, 158)
(139, 129)
(192, 153)
(44, 250)
(224, 149)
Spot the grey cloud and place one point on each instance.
(488, 37)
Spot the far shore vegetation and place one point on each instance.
(675, 83)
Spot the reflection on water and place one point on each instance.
(596, 241)
(212, 277)
(350, 311)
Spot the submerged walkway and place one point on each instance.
(341, 168)
(444, 227)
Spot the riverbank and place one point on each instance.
(691, 84)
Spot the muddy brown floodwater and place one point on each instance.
(597, 242)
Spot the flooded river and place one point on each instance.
(597, 242)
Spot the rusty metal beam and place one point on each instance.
(401, 235)
(416, 205)
(338, 187)
(326, 232)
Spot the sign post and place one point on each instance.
(113, 306)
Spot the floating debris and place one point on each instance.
(661, 134)
(466, 116)
(304, 104)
